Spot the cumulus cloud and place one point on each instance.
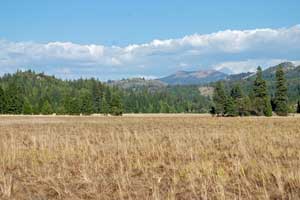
(236, 50)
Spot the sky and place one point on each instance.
(110, 39)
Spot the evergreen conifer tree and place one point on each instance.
(230, 107)
(86, 104)
(238, 98)
(47, 108)
(14, 99)
(262, 104)
(281, 96)
(116, 107)
(236, 92)
(27, 107)
(75, 107)
(2, 101)
(164, 107)
(104, 106)
(219, 98)
(96, 92)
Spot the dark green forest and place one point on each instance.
(36, 93)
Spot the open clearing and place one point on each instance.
(149, 157)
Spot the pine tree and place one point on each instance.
(164, 107)
(116, 107)
(268, 108)
(298, 107)
(67, 105)
(96, 92)
(230, 107)
(236, 92)
(27, 108)
(104, 106)
(47, 108)
(14, 99)
(86, 104)
(262, 103)
(281, 96)
(2, 101)
(238, 98)
(75, 108)
(219, 98)
(245, 106)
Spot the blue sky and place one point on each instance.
(115, 39)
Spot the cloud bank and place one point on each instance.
(235, 50)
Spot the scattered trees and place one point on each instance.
(257, 103)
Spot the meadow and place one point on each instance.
(149, 157)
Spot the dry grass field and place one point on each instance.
(149, 157)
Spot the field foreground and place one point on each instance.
(149, 157)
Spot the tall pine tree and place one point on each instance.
(261, 104)
(219, 98)
(281, 96)
(298, 107)
(14, 99)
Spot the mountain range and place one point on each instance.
(205, 77)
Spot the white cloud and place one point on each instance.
(249, 65)
(236, 50)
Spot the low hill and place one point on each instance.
(193, 77)
(137, 83)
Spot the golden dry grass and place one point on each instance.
(149, 157)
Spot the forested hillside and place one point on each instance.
(36, 93)
(292, 75)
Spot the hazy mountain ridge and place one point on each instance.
(203, 77)
(137, 83)
(193, 77)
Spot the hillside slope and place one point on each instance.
(193, 77)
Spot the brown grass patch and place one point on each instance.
(149, 157)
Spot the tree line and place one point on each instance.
(258, 102)
(36, 93)
(31, 93)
